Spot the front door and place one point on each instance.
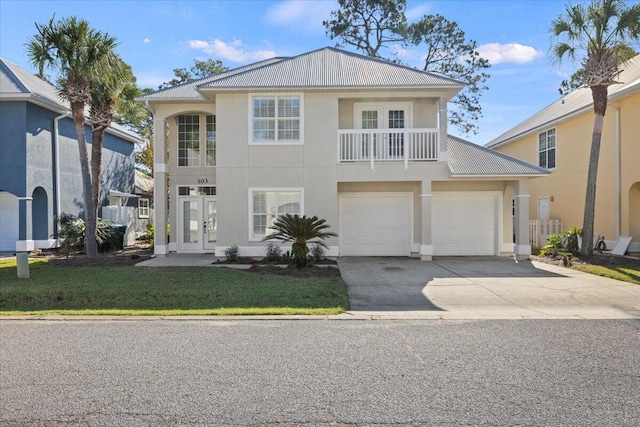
(543, 208)
(197, 223)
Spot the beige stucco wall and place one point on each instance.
(567, 183)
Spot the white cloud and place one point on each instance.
(146, 40)
(234, 51)
(498, 53)
(301, 15)
(417, 12)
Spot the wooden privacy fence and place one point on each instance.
(540, 229)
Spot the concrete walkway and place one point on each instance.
(482, 288)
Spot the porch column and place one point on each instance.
(25, 232)
(159, 187)
(522, 247)
(426, 245)
(442, 124)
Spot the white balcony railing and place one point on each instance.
(388, 145)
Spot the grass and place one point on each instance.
(167, 291)
(627, 273)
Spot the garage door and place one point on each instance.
(465, 223)
(375, 224)
(8, 221)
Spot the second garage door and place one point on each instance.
(465, 223)
(375, 224)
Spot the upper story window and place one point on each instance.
(196, 139)
(547, 149)
(276, 119)
(211, 140)
(189, 140)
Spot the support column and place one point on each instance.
(442, 124)
(522, 247)
(160, 174)
(25, 232)
(426, 245)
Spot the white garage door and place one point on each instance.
(375, 224)
(9, 222)
(465, 223)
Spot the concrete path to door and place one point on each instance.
(481, 288)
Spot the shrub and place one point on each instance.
(72, 231)
(554, 244)
(272, 252)
(232, 253)
(149, 233)
(317, 253)
(571, 240)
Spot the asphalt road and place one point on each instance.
(320, 372)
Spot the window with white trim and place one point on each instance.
(143, 208)
(211, 140)
(265, 205)
(547, 149)
(276, 118)
(189, 140)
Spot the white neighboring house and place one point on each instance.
(358, 141)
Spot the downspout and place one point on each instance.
(618, 173)
(56, 188)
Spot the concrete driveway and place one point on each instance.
(482, 288)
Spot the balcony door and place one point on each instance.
(387, 144)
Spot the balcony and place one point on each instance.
(388, 145)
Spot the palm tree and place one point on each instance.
(595, 34)
(106, 95)
(300, 230)
(80, 54)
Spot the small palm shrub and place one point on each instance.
(300, 231)
(232, 253)
(72, 231)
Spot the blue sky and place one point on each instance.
(157, 36)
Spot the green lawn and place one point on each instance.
(628, 272)
(164, 291)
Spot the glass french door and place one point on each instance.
(383, 116)
(197, 223)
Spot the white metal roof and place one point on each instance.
(576, 102)
(17, 84)
(467, 159)
(331, 68)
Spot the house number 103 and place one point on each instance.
(203, 180)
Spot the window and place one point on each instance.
(276, 118)
(189, 140)
(267, 204)
(211, 140)
(196, 191)
(143, 208)
(547, 149)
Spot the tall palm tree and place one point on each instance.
(106, 95)
(80, 54)
(300, 231)
(595, 34)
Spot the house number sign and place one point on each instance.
(203, 181)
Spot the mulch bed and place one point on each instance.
(310, 271)
(597, 259)
(128, 256)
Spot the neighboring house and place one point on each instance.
(559, 138)
(39, 162)
(358, 141)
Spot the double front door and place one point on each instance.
(197, 223)
(388, 144)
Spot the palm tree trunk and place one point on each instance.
(600, 107)
(91, 246)
(96, 166)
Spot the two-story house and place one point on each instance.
(358, 141)
(39, 162)
(558, 137)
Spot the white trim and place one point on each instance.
(426, 250)
(555, 148)
(46, 244)
(27, 198)
(517, 196)
(415, 248)
(160, 168)
(143, 208)
(160, 249)
(25, 245)
(507, 248)
(253, 95)
(251, 190)
(522, 249)
(383, 122)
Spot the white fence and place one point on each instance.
(384, 145)
(540, 229)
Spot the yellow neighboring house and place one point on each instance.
(559, 139)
